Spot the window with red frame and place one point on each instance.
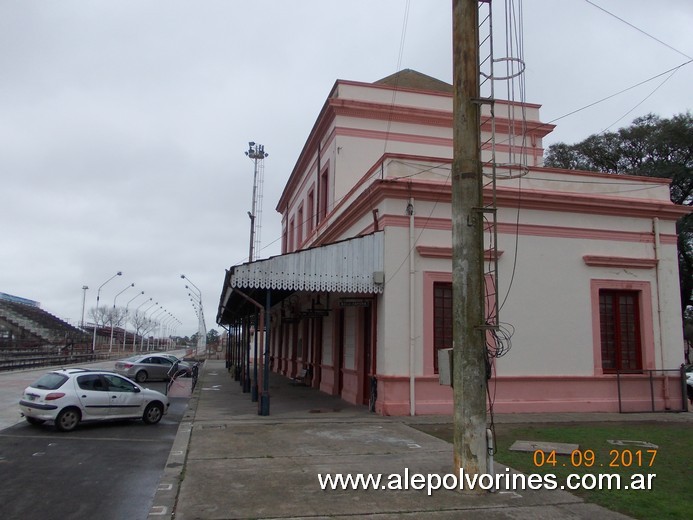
(299, 227)
(442, 319)
(322, 202)
(310, 219)
(619, 323)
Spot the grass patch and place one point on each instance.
(670, 497)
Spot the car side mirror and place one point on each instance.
(137, 390)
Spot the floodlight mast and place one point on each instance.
(257, 153)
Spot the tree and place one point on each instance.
(115, 316)
(212, 336)
(651, 147)
(100, 315)
(142, 326)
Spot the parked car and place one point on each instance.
(145, 367)
(182, 365)
(74, 395)
(689, 382)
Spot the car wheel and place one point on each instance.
(68, 419)
(34, 421)
(153, 413)
(141, 376)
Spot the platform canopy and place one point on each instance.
(353, 266)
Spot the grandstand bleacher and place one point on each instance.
(28, 326)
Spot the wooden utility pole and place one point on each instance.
(469, 349)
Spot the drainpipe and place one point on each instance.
(657, 252)
(412, 311)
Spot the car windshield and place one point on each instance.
(50, 381)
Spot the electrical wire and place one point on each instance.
(639, 30)
(642, 101)
(590, 105)
(424, 227)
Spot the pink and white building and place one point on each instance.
(361, 294)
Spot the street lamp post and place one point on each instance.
(126, 318)
(174, 332)
(110, 344)
(201, 327)
(156, 327)
(162, 328)
(166, 327)
(84, 299)
(134, 335)
(144, 314)
(98, 293)
(197, 307)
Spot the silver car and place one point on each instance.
(146, 367)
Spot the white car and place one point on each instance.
(70, 396)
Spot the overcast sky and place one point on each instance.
(123, 124)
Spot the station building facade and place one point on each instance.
(582, 275)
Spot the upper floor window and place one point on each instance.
(299, 227)
(310, 208)
(291, 244)
(324, 184)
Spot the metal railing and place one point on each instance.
(665, 387)
(43, 360)
(174, 373)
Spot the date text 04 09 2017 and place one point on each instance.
(588, 459)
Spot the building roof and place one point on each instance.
(408, 78)
(352, 266)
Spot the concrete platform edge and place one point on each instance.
(166, 496)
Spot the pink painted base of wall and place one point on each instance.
(529, 394)
(537, 394)
(328, 383)
(350, 390)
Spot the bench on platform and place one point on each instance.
(302, 377)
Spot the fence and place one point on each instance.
(652, 390)
(19, 362)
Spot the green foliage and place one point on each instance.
(650, 147)
(212, 336)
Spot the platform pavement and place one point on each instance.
(229, 462)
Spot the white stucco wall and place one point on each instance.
(550, 303)
(393, 349)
